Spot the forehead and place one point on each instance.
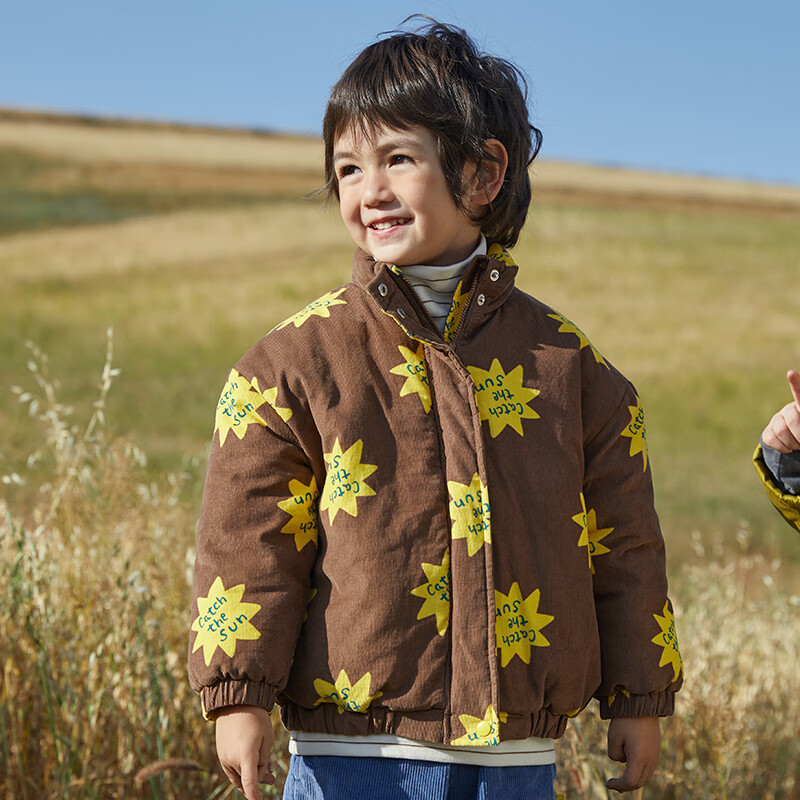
(359, 139)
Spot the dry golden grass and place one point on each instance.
(94, 702)
(171, 243)
(127, 144)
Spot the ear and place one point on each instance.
(488, 180)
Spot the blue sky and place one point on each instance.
(698, 86)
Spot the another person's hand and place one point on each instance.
(783, 431)
(635, 741)
(244, 746)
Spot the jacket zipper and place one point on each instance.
(426, 313)
(471, 293)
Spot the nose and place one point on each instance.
(377, 190)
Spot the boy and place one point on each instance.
(777, 457)
(428, 527)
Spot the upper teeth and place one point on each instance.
(382, 226)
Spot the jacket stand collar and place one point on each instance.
(486, 283)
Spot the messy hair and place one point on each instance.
(436, 77)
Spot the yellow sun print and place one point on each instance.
(271, 395)
(237, 406)
(416, 374)
(302, 507)
(436, 593)
(470, 513)
(637, 432)
(481, 731)
(613, 696)
(591, 536)
(346, 480)
(501, 397)
(222, 619)
(518, 624)
(345, 695)
(570, 327)
(319, 307)
(668, 639)
(457, 307)
(499, 253)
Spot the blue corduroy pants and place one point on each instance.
(356, 778)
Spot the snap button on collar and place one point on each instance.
(481, 299)
(401, 313)
(383, 289)
(494, 274)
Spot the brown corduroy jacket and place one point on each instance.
(450, 537)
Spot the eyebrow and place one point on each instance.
(400, 143)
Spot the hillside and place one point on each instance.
(192, 242)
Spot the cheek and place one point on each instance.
(348, 208)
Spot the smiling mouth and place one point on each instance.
(385, 226)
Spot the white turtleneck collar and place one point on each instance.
(436, 285)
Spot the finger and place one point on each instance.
(264, 766)
(781, 426)
(794, 384)
(631, 779)
(791, 416)
(250, 779)
(232, 775)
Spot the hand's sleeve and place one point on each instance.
(256, 545)
(780, 476)
(641, 662)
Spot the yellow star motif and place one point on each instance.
(668, 639)
(302, 506)
(436, 593)
(271, 395)
(454, 315)
(518, 624)
(470, 513)
(319, 307)
(347, 696)
(637, 433)
(591, 535)
(501, 397)
(346, 480)
(223, 619)
(416, 374)
(480, 731)
(612, 697)
(237, 406)
(499, 253)
(570, 327)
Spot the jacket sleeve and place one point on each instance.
(256, 544)
(787, 504)
(641, 662)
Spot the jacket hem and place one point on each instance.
(428, 726)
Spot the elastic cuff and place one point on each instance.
(787, 504)
(236, 693)
(622, 704)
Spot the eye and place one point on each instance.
(345, 170)
(400, 158)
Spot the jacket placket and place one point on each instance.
(471, 676)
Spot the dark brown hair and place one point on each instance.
(437, 78)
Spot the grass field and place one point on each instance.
(191, 244)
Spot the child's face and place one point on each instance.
(395, 200)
